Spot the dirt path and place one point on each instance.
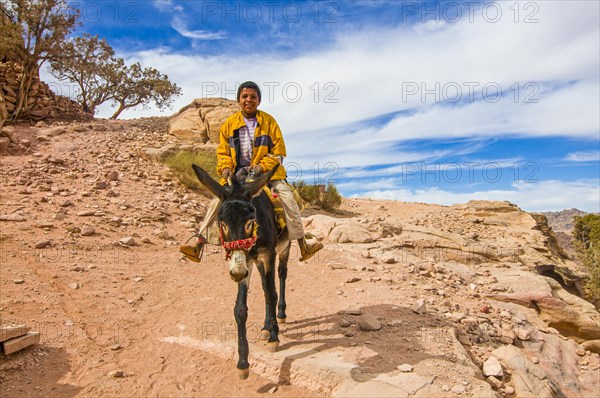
(167, 324)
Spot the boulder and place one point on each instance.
(202, 119)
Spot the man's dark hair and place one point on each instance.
(248, 84)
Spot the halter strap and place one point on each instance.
(245, 244)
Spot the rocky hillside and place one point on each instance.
(562, 221)
(406, 299)
(42, 102)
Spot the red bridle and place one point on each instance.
(245, 244)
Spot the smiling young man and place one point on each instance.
(252, 138)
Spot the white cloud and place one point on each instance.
(181, 27)
(583, 156)
(548, 195)
(369, 71)
(163, 5)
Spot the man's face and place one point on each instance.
(249, 101)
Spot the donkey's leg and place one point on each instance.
(267, 273)
(241, 315)
(282, 271)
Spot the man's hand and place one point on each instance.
(256, 170)
(226, 173)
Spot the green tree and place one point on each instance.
(587, 241)
(142, 86)
(90, 62)
(43, 26)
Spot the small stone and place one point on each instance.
(272, 390)
(388, 259)
(523, 334)
(369, 323)
(458, 389)
(11, 217)
(349, 334)
(100, 185)
(486, 308)
(115, 347)
(127, 241)
(117, 373)
(44, 224)
(87, 230)
(353, 312)
(419, 306)
(42, 244)
(138, 278)
(113, 175)
(509, 390)
(74, 285)
(19, 281)
(405, 368)
(580, 352)
(535, 360)
(494, 382)
(505, 314)
(492, 367)
(344, 323)
(163, 235)
(352, 280)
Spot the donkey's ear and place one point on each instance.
(254, 187)
(205, 179)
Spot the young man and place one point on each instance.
(252, 138)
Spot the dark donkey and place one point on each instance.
(248, 233)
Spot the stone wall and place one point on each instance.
(43, 103)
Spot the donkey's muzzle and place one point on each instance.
(238, 274)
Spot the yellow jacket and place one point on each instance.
(267, 141)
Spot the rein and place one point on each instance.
(245, 244)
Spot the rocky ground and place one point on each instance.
(407, 299)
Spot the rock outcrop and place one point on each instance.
(42, 102)
(202, 119)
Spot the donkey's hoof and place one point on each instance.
(273, 346)
(264, 334)
(244, 373)
(281, 320)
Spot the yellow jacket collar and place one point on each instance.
(239, 119)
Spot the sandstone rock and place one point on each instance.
(87, 230)
(494, 382)
(42, 244)
(117, 373)
(127, 241)
(528, 379)
(12, 217)
(405, 368)
(201, 120)
(570, 314)
(492, 367)
(4, 143)
(419, 306)
(369, 323)
(348, 233)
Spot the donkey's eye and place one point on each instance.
(249, 226)
(224, 228)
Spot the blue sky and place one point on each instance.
(438, 102)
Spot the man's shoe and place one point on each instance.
(192, 253)
(307, 250)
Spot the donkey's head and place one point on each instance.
(236, 217)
